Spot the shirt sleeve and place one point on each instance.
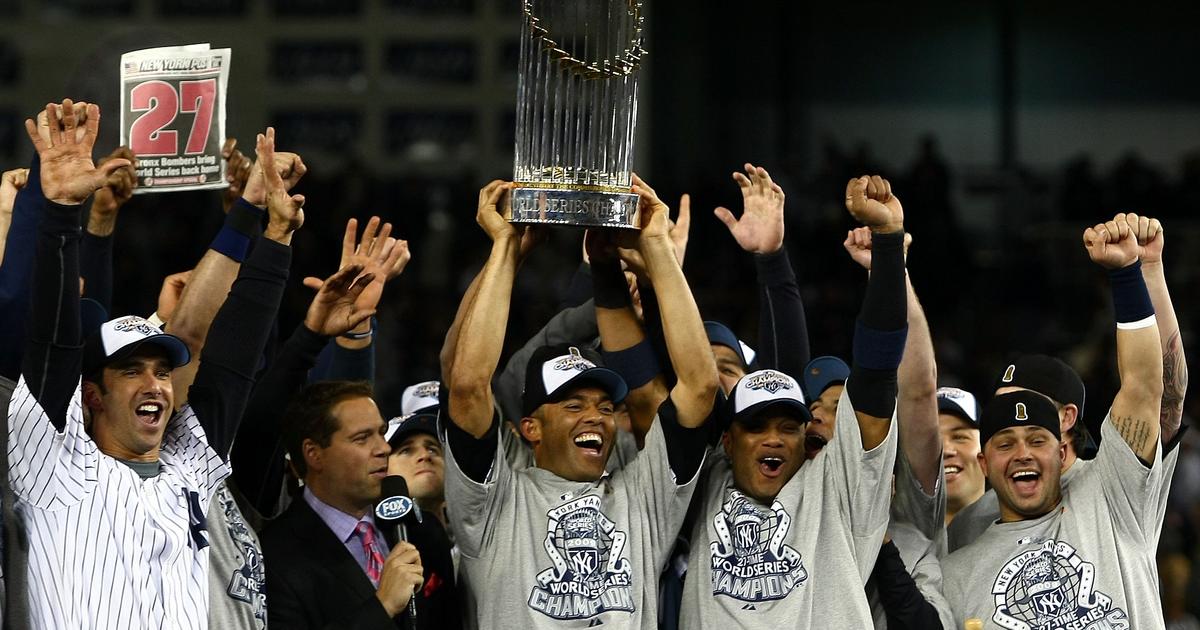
(862, 479)
(576, 324)
(912, 506)
(49, 469)
(473, 504)
(1131, 490)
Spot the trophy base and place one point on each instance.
(581, 208)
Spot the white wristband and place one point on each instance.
(1139, 324)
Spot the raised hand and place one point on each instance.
(1112, 244)
(285, 212)
(80, 111)
(487, 213)
(858, 245)
(11, 183)
(760, 229)
(871, 202)
(654, 215)
(376, 253)
(1149, 233)
(118, 188)
(238, 168)
(334, 309)
(288, 167)
(172, 289)
(69, 176)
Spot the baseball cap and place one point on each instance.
(420, 397)
(958, 402)
(553, 371)
(418, 413)
(121, 337)
(721, 335)
(1045, 375)
(759, 391)
(821, 373)
(1020, 408)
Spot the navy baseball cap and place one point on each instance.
(554, 371)
(1021, 408)
(758, 392)
(959, 402)
(823, 372)
(121, 337)
(1045, 375)
(721, 335)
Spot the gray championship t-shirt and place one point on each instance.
(539, 551)
(800, 562)
(973, 520)
(237, 582)
(1089, 564)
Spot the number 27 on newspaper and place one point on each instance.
(173, 116)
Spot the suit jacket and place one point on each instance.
(312, 580)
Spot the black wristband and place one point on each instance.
(638, 364)
(608, 285)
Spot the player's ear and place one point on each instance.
(91, 396)
(1069, 417)
(726, 443)
(531, 429)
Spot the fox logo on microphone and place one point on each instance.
(394, 508)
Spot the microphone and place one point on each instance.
(394, 508)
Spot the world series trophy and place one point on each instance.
(576, 113)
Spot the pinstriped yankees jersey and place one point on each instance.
(107, 549)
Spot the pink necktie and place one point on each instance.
(374, 558)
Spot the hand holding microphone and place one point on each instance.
(402, 572)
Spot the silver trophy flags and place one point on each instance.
(576, 112)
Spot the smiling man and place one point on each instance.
(958, 423)
(780, 541)
(115, 507)
(562, 544)
(1077, 556)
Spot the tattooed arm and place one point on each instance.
(1175, 372)
(1135, 410)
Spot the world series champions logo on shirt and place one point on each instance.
(589, 575)
(749, 560)
(249, 582)
(1052, 588)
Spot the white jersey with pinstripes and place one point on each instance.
(107, 549)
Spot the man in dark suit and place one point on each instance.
(327, 563)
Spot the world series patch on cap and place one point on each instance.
(758, 391)
(1018, 409)
(419, 397)
(121, 337)
(555, 371)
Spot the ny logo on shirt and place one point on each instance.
(1051, 588)
(589, 575)
(749, 560)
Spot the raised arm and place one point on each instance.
(691, 356)
(1175, 371)
(239, 330)
(622, 339)
(11, 183)
(480, 335)
(213, 276)
(881, 329)
(1135, 410)
(916, 378)
(53, 350)
(782, 327)
(96, 249)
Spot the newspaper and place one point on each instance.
(173, 116)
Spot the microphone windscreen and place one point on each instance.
(393, 486)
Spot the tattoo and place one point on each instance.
(1134, 431)
(1175, 379)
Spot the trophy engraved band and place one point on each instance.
(576, 113)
